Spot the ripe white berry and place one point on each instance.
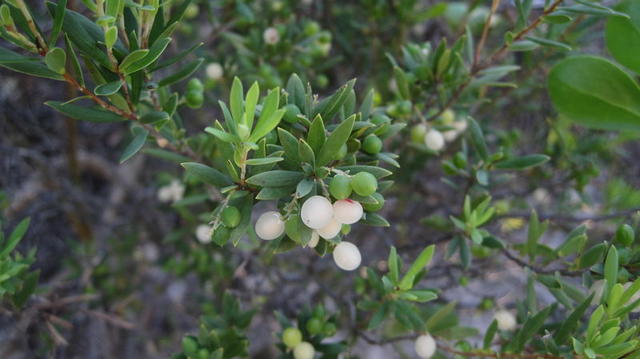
(434, 140)
(203, 233)
(506, 320)
(425, 346)
(330, 230)
(347, 256)
(173, 192)
(304, 350)
(315, 238)
(269, 226)
(347, 211)
(316, 212)
(460, 126)
(271, 36)
(214, 71)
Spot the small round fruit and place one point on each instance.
(340, 186)
(372, 144)
(291, 114)
(341, 152)
(347, 211)
(269, 226)
(347, 256)
(418, 132)
(330, 230)
(304, 350)
(189, 345)
(311, 28)
(315, 239)
(370, 207)
(203, 233)
(316, 212)
(364, 183)
(314, 326)
(405, 107)
(425, 346)
(434, 140)
(231, 217)
(221, 235)
(194, 98)
(291, 337)
(506, 320)
(195, 85)
(214, 71)
(448, 116)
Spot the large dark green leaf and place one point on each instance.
(523, 162)
(207, 174)
(338, 137)
(139, 138)
(596, 93)
(277, 178)
(623, 35)
(91, 114)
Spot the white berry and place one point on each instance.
(425, 346)
(214, 71)
(347, 211)
(316, 212)
(506, 320)
(269, 226)
(304, 350)
(271, 36)
(347, 256)
(434, 140)
(203, 233)
(172, 192)
(330, 230)
(315, 238)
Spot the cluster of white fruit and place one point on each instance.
(425, 346)
(172, 192)
(326, 221)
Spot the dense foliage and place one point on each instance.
(346, 175)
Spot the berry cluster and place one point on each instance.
(326, 219)
(434, 139)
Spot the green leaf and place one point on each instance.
(133, 57)
(250, 104)
(32, 68)
(58, 18)
(489, 334)
(595, 93)
(523, 162)
(477, 138)
(338, 137)
(623, 35)
(207, 174)
(270, 105)
(549, 43)
(181, 74)
(316, 136)
(236, 100)
(223, 136)
(152, 55)
(15, 237)
(91, 114)
(263, 161)
(166, 155)
(295, 90)
(611, 269)
(135, 145)
(592, 256)
(329, 107)
(393, 265)
(56, 60)
(154, 117)
(378, 172)
(419, 264)
(376, 220)
(264, 126)
(29, 284)
(277, 178)
(531, 327)
(570, 324)
(108, 89)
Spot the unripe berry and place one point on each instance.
(330, 230)
(372, 144)
(291, 337)
(304, 350)
(195, 85)
(434, 140)
(316, 212)
(447, 117)
(314, 326)
(311, 28)
(291, 114)
(347, 256)
(340, 186)
(370, 207)
(329, 329)
(191, 11)
(405, 107)
(231, 217)
(189, 345)
(506, 320)
(418, 132)
(425, 346)
(347, 211)
(221, 235)
(364, 183)
(203, 233)
(315, 238)
(269, 226)
(194, 98)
